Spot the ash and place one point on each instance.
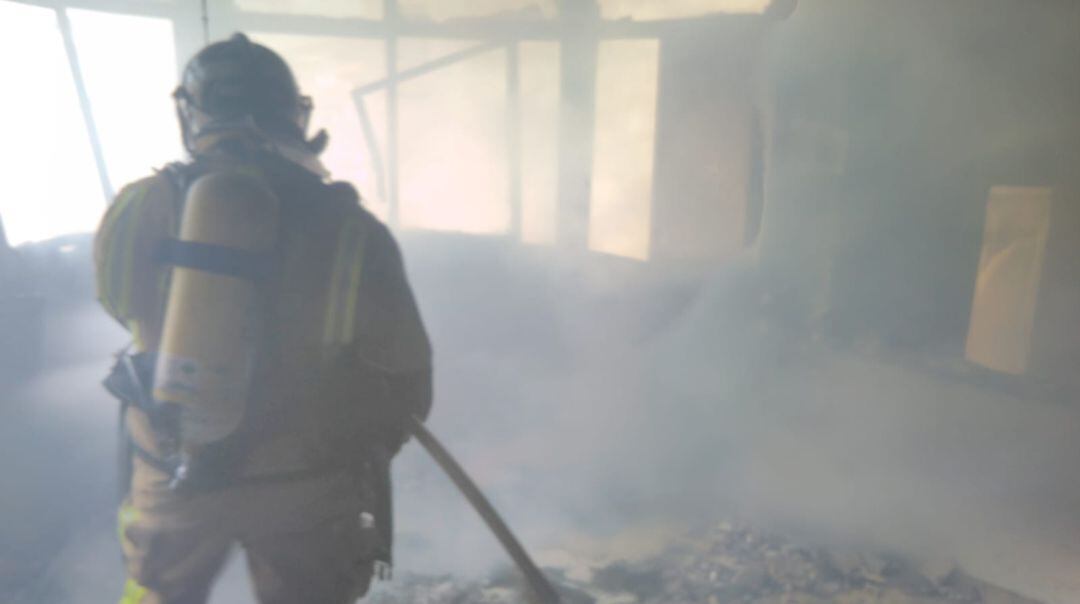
(725, 564)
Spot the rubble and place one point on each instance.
(504, 587)
(420, 589)
(728, 564)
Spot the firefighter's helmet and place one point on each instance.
(235, 83)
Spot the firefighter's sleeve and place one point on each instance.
(391, 334)
(130, 283)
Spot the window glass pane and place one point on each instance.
(539, 81)
(329, 69)
(50, 185)
(626, 87)
(674, 9)
(452, 152)
(415, 52)
(130, 90)
(1007, 284)
(361, 9)
(440, 10)
(368, 150)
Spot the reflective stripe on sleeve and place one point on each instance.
(133, 593)
(344, 288)
(124, 517)
(118, 258)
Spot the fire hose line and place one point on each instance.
(541, 588)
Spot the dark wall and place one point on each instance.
(891, 120)
(707, 142)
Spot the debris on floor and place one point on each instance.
(727, 564)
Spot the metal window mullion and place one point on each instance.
(187, 38)
(84, 103)
(404, 75)
(513, 137)
(226, 18)
(390, 16)
(578, 56)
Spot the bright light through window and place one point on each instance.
(129, 65)
(129, 68)
(442, 10)
(328, 70)
(362, 9)
(539, 140)
(452, 154)
(50, 186)
(645, 10)
(626, 91)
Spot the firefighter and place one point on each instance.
(277, 350)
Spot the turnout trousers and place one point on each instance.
(302, 537)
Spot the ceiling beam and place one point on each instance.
(480, 29)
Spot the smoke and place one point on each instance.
(816, 386)
(813, 384)
(723, 412)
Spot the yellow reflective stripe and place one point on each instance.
(128, 250)
(118, 252)
(339, 285)
(124, 517)
(104, 267)
(344, 287)
(329, 321)
(354, 291)
(117, 261)
(107, 270)
(133, 593)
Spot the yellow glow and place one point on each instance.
(1007, 284)
(626, 91)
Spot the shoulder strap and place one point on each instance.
(181, 175)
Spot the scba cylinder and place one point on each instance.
(205, 361)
